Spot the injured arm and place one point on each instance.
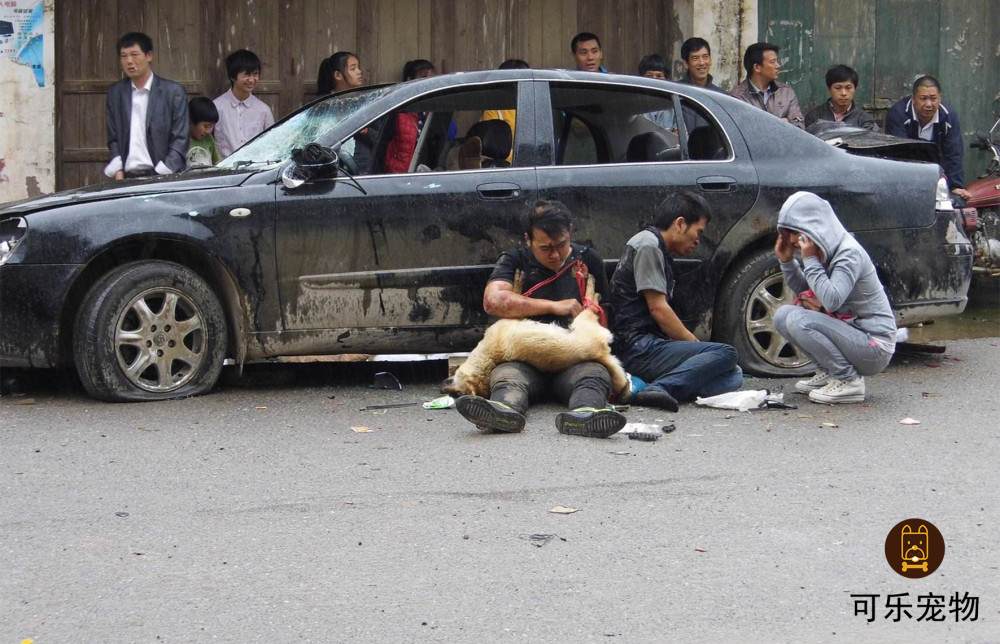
(501, 301)
(665, 317)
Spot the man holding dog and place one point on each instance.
(539, 282)
(658, 348)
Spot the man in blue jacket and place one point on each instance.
(924, 116)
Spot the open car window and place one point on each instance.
(465, 129)
(599, 125)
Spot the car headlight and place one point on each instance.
(12, 231)
(942, 195)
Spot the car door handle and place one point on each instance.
(496, 191)
(717, 184)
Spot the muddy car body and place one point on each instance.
(240, 265)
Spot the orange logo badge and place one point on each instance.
(914, 548)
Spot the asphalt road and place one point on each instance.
(256, 514)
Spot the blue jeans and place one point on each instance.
(838, 348)
(683, 369)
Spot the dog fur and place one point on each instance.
(547, 347)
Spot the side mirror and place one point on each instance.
(314, 160)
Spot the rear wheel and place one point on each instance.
(149, 331)
(745, 318)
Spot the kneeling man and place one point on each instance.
(657, 347)
(550, 294)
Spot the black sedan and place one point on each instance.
(353, 245)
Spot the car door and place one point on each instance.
(365, 261)
(613, 161)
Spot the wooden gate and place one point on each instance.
(191, 39)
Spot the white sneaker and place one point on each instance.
(840, 391)
(819, 379)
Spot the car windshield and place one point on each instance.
(312, 124)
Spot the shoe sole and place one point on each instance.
(487, 417)
(853, 398)
(803, 388)
(601, 425)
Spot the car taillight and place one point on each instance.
(12, 231)
(942, 196)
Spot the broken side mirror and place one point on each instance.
(314, 160)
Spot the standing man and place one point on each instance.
(146, 116)
(659, 349)
(842, 83)
(697, 57)
(586, 48)
(924, 116)
(242, 115)
(551, 294)
(762, 88)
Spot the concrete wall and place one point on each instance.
(729, 26)
(27, 99)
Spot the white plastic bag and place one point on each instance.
(738, 400)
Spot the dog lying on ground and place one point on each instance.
(548, 347)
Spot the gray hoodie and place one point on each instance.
(845, 281)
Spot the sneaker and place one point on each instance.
(840, 391)
(489, 415)
(658, 398)
(590, 422)
(819, 379)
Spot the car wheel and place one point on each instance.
(149, 331)
(745, 313)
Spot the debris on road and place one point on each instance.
(909, 421)
(361, 429)
(829, 425)
(539, 539)
(559, 509)
(385, 380)
(392, 406)
(700, 550)
(444, 402)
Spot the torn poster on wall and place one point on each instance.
(21, 35)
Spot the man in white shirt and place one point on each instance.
(242, 115)
(145, 116)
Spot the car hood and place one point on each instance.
(128, 188)
(866, 143)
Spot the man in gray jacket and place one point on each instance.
(762, 89)
(842, 83)
(145, 115)
(844, 324)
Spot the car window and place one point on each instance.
(314, 123)
(464, 129)
(614, 124)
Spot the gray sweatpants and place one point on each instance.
(841, 349)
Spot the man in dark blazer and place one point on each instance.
(146, 116)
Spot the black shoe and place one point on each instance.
(590, 422)
(489, 414)
(655, 398)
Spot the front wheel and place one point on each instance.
(745, 312)
(149, 331)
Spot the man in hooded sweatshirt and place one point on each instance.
(844, 322)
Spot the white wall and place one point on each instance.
(27, 111)
(729, 26)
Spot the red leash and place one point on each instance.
(580, 274)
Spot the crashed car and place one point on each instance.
(303, 243)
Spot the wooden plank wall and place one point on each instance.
(192, 38)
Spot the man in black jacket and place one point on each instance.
(842, 83)
(924, 116)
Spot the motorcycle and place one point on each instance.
(982, 212)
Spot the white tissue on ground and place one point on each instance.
(740, 400)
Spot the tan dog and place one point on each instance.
(547, 347)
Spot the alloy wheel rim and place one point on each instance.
(770, 345)
(160, 340)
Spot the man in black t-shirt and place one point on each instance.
(585, 386)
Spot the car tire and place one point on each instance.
(150, 330)
(745, 318)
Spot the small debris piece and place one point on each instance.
(361, 429)
(444, 402)
(699, 550)
(559, 509)
(385, 380)
(806, 416)
(666, 429)
(622, 453)
(909, 421)
(393, 406)
(260, 407)
(121, 514)
(829, 425)
(928, 394)
(539, 539)
(25, 401)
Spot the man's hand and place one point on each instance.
(963, 193)
(119, 175)
(570, 308)
(784, 249)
